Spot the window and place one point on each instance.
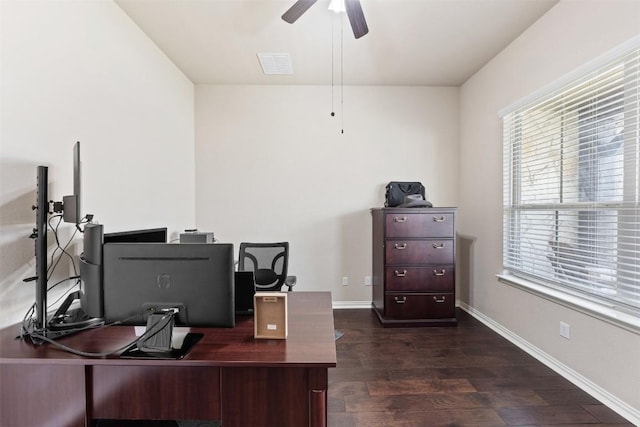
(571, 185)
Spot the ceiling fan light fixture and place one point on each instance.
(352, 8)
(337, 6)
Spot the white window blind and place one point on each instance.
(571, 186)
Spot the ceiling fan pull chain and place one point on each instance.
(342, 74)
(332, 72)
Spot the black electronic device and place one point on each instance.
(245, 288)
(148, 235)
(196, 281)
(91, 271)
(72, 205)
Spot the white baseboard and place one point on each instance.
(351, 304)
(625, 410)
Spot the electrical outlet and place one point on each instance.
(565, 330)
(368, 280)
(345, 281)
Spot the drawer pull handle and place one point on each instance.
(400, 219)
(439, 300)
(438, 246)
(401, 273)
(400, 246)
(439, 273)
(436, 219)
(400, 300)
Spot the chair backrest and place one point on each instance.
(268, 261)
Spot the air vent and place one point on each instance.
(275, 63)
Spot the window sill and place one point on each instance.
(599, 311)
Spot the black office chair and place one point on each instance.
(269, 262)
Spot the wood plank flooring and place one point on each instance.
(466, 375)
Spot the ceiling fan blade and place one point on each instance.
(297, 10)
(356, 18)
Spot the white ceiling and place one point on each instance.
(410, 42)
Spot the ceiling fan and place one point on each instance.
(353, 9)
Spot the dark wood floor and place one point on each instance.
(447, 376)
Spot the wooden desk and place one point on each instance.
(228, 376)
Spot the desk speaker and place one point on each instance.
(92, 243)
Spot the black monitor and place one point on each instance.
(71, 205)
(148, 235)
(197, 280)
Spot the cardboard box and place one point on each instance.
(270, 315)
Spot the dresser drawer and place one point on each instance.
(419, 306)
(439, 278)
(432, 251)
(419, 225)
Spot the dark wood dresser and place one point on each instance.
(414, 260)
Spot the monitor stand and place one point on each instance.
(160, 342)
(66, 320)
(191, 339)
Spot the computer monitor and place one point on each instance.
(148, 235)
(197, 280)
(72, 205)
(91, 295)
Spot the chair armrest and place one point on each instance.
(290, 282)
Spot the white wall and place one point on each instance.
(82, 71)
(273, 165)
(569, 35)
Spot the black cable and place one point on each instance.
(51, 266)
(54, 230)
(27, 319)
(48, 335)
(65, 292)
(27, 325)
(151, 331)
(64, 280)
